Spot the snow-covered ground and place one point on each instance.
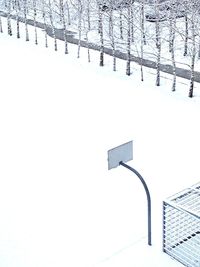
(59, 115)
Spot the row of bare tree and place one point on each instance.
(164, 31)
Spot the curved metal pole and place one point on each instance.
(148, 197)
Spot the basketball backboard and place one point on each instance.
(120, 153)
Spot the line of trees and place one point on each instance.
(161, 30)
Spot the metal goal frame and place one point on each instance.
(181, 226)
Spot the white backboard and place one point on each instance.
(123, 153)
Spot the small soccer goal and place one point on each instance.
(181, 226)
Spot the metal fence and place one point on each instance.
(181, 226)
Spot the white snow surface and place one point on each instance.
(59, 115)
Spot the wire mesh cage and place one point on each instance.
(181, 226)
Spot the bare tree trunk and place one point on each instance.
(68, 13)
(142, 22)
(45, 24)
(9, 18)
(88, 15)
(79, 26)
(186, 36)
(18, 31)
(191, 89)
(88, 48)
(121, 23)
(158, 43)
(1, 28)
(101, 36)
(170, 29)
(25, 19)
(64, 25)
(52, 26)
(88, 28)
(143, 39)
(172, 40)
(173, 67)
(128, 60)
(17, 18)
(99, 16)
(110, 22)
(158, 64)
(35, 26)
(112, 38)
(132, 19)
